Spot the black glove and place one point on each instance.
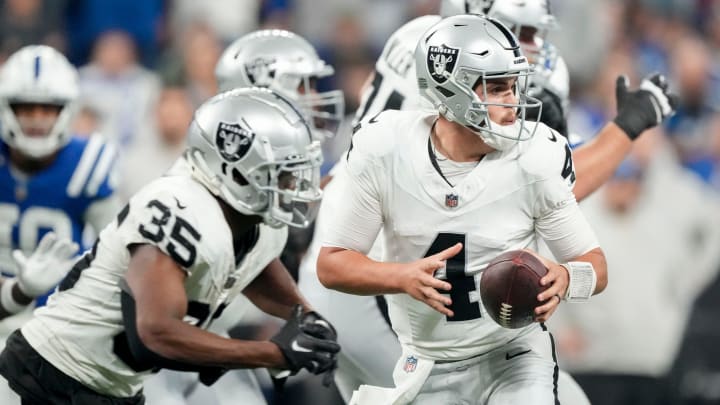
(315, 325)
(302, 344)
(645, 107)
(552, 114)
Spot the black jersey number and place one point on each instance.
(183, 236)
(462, 284)
(568, 173)
(394, 101)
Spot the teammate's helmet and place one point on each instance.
(459, 54)
(37, 74)
(533, 14)
(287, 63)
(252, 148)
(454, 7)
(516, 15)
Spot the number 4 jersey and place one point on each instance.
(502, 204)
(77, 330)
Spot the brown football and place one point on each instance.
(509, 287)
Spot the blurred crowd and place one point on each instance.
(145, 65)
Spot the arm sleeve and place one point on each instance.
(561, 223)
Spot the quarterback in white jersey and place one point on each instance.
(461, 186)
(183, 247)
(394, 86)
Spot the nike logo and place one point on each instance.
(552, 138)
(182, 207)
(509, 356)
(297, 348)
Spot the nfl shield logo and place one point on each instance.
(451, 200)
(410, 364)
(441, 59)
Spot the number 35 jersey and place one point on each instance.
(502, 204)
(77, 330)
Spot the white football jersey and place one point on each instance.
(394, 86)
(76, 331)
(502, 204)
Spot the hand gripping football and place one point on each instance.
(509, 287)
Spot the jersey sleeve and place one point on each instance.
(359, 220)
(160, 218)
(549, 155)
(95, 176)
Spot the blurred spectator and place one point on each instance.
(87, 20)
(660, 228)
(87, 122)
(159, 145)
(28, 22)
(118, 88)
(191, 62)
(230, 19)
(694, 129)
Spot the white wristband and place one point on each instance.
(581, 281)
(6, 298)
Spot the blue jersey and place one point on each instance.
(55, 198)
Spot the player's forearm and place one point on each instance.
(12, 299)
(274, 291)
(354, 273)
(597, 160)
(178, 341)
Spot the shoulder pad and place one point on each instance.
(548, 154)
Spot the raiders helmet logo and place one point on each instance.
(441, 59)
(233, 140)
(259, 71)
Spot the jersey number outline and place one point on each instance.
(29, 223)
(462, 285)
(182, 234)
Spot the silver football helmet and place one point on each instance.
(287, 63)
(252, 148)
(533, 14)
(37, 74)
(517, 15)
(454, 7)
(462, 53)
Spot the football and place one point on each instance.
(509, 287)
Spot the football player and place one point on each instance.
(180, 250)
(470, 180)
(286, 63)
(51, 183)
(394, 86)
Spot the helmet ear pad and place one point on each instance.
(240, 145)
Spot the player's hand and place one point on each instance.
(315, 325)
(420, 281)
(303, 350)
(46, 266)
(556, 280)
(645, 107)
